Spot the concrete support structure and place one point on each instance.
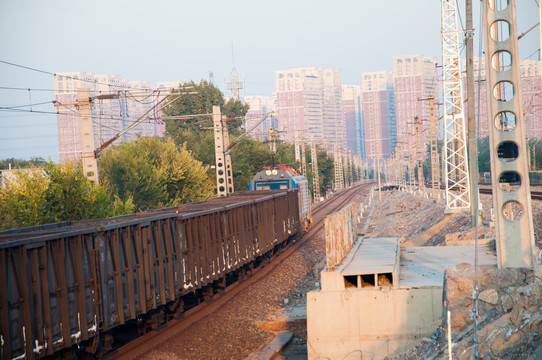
(381, 299)
(508, 148)
(90, 164)
(457, 170)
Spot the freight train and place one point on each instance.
(67, 289)
(283, 177)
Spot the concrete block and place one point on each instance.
(332, 281)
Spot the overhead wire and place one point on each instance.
(26, 105)
(55, 75)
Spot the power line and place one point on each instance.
(27, 67)
(54, 75)
(28, 137)
(27, 89)
(31, 111)
(27, 105)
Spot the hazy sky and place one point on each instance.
(182, 40)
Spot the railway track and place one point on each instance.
(535, 194)
(152, 340)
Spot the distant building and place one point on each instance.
(110, 116)
(531, 87)
(415, 78)
(353, 118)
(260, 106)
(309, 104)
(378, 105)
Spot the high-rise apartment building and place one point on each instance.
(353, 118)
(260, 107)
(309, 104)
(531, 88)
(129, 101)
(378, 105)
(415, 78)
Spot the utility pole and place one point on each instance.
(379, 185)
(419, 154)
(90, 164)
(296, 146)
(227, 156)
(337, 160)
(473, 146)
(315, 179)
(303, 160)
(514, 233)
(435, 176)
(411, 159)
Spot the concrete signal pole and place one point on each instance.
(224, 181)
(507, 144)
(90, 164)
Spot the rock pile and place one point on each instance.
(508, 318)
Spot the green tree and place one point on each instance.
(249, 156)
(71, 196)
(22, 200)
(21, 163)
(197, 132)
(154, 173)
(53, 194)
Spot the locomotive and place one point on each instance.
(282, 177)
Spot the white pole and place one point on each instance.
(449, 336)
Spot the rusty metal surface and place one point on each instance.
(62, 286)
(341, 233)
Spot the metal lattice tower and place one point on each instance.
(435, 170)
(234, 85)
(509, 176)
(457, 185)
(315, 179)
(337, 161)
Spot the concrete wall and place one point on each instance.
(370, 323)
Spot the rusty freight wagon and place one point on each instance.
(65, 289)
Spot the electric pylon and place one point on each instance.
(456, 166)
